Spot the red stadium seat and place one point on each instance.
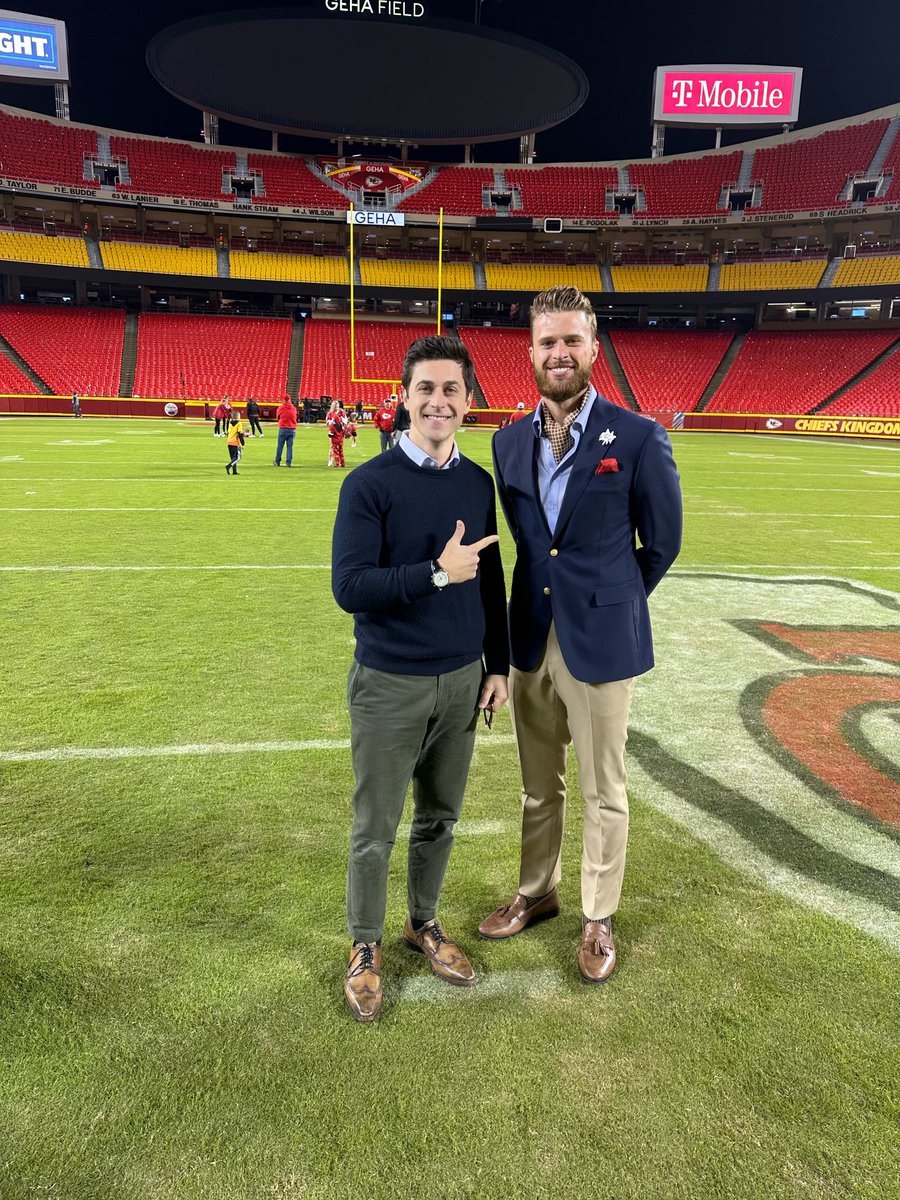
(72, 349)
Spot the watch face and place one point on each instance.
(440, 579)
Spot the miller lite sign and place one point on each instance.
(726, 95)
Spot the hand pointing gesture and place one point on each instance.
(459, 561)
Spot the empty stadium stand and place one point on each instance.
(878, 395)
(12, 381)
(771, 276)
(668, 370)
(811, 172)
(563, 191)
(534, 277)
(869, 268)
(393, 272)
(40, 248)
(691, 277)
(72, 349)
(158, 260)
(684, 186)
(380, 348)
(504, 369)
(291, 268)
(289, 181)
(458, 190)
(793, 372)
(173, 168)
(211, 357)
(36, 149)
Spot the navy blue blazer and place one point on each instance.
(591, 577)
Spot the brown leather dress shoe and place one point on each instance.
(362, 985)
(510, 919)
(447, 960)
(597, 956)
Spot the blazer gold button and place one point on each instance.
(546, 591)
(553, 553)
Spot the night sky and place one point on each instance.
(848, 52)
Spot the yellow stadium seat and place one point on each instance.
(400, 273)
(158, 260)
(861, 271)
(690, 277)
(770, 276)
(39, 248)
(293, 268)
(536, 277)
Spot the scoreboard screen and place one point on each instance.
(33, 48)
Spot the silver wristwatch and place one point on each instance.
(439, 577)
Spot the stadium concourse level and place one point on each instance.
(211, 357)
(784, 174)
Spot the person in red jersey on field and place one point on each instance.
(336, 421)
(220, 418)
(518, 414)
(286, 416)
(383, 421)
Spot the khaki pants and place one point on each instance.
(551, 709)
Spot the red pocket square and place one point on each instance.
(606, 466)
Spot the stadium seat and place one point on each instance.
(771, 276)
(212, 357)
(691, 277)
(72, 349)
(793, 372)
(291, 268)
(173, 168)
(669, 369)
(380, 347)
(158, 260)
(866, 269)
(400, 273)
(563, 191)
(12, 381)
(39, 149)
(810, 172)
(878, 395)
(288, 181)
(40, 248)
(456, 189)
(535, 277)
(685, 186)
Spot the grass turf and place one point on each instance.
(171, 927)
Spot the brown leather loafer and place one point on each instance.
(362, 985)
(447, 960)
(597, 956)
(510, 919)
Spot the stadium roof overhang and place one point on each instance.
(288, 71)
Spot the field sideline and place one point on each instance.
(174, 816)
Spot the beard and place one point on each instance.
(562, 390)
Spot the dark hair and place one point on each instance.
(439, 349)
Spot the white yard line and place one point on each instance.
(185, 508)
(179, 750)
(219, 567)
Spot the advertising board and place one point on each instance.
(726, 95)
(33, 48)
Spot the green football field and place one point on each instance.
(174, 819)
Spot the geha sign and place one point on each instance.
(726, 95)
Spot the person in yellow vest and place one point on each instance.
(235, 442)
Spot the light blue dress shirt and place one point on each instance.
(421, 459)
(553, 477)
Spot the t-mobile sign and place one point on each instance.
(726, 95)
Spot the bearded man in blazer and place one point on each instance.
(593, 500)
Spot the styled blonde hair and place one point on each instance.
(563, 299)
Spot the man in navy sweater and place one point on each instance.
(415, 559)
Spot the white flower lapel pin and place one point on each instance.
(607, 437)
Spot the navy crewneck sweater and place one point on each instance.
(394, 518)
